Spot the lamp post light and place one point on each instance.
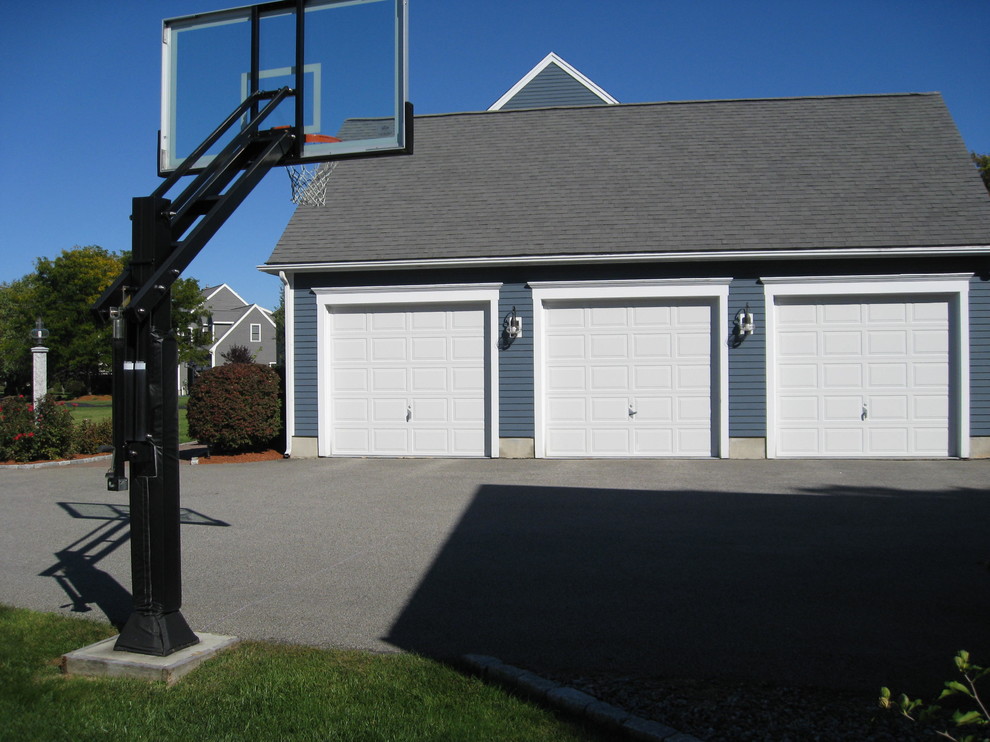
(39, 355)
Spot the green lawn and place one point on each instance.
(256, 691)
(97, 410)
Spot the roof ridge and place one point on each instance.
(700, 101)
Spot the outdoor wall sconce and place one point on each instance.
(511, 329)
(744, 324)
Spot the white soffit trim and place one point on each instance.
(954, 286)
(651, 257)
(549, 59)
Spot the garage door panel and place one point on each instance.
(565, 347)
(693, 409)
(651, 316)
(694, 442)
(569, 378)
(385, 380)
(653, 409)
(607, 317)
(465, 379)
(468, 410)
(843, 441)
(798, 376)
(388, 349)
(930, 374)
(693, 377)
(931, 407)
(617, 373)
(609, 346)
(429, 349)
(467, 348)
(798, 409)
(793, 344)
(567, 409)
(611, 441)
(883, 373)
(889, 342)
(653, 377)
(647, 346)
(842, 343)
(388, 321)
(355, 349)
(887, 375)
(654, 441)
(839, 313)
(609, 409)
(609, 377)
(839, 375)
(934, 342)
(350, 380)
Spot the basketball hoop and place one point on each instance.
(309, 181)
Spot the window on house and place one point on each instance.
(255, 333)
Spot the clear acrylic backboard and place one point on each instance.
(354, 76)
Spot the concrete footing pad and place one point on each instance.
(101, 660)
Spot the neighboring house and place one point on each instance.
(634, 246)
(232, 321)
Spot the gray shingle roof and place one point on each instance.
(795, 173)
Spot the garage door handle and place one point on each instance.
(632, 412)
(865, 414)
(408, 413)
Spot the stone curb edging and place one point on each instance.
(572, 701)
(62, 462)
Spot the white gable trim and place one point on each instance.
(549, 59)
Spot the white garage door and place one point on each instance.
(862, 377)
(628, 379)
(408, 381)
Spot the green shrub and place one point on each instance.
(17, 429)
(236, 407)
(27, 434)
(977, 716)
(90, 436)
(54, 438)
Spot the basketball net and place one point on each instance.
(309, 182)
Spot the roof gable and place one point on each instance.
(710, 176)
(552, 82)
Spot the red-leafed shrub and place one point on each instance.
(236, 407)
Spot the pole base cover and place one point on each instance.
(155, 634)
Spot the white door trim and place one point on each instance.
(954, 287)
(448, 295)
(715, 290)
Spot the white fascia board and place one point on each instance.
(549, 59)
(652, 257)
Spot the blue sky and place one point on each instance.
(79, 102)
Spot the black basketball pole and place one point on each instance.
(149, 370)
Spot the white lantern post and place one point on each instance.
(39, 354)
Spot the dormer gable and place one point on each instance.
(553, 82)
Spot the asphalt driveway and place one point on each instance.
(847, 574)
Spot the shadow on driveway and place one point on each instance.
(837, 587)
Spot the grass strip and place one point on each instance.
(102, 409)
(256, 691)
